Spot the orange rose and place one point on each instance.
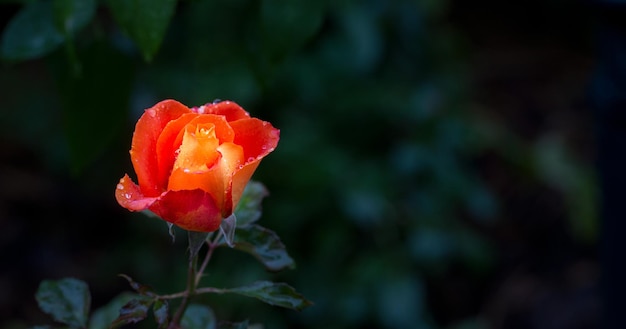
(193, 164)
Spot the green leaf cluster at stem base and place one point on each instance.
(68, 300)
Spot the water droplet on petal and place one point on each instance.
(127, 195)
(186, 170)
(250, 159)
(120, 186)
(151, 112)
(217, 100)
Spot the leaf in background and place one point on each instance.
(96, 103)
(432, 246)
(248, 209)
(138, 287)
(277, 294)
(133, 312)
(31, 33)
(72, 15)
(66, 300)
(400, 302)
(104, 316)
(198, 317)
(475, 251)
(145, 21)
(265, 245)
(557, 166)
(288, 24)
(233, 325)
(161, 313)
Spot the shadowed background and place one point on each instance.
(435, 168)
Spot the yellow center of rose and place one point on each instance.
(198, 150)
(205, 163)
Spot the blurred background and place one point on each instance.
(436, 167)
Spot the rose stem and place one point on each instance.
(191, 276)
(193, 279)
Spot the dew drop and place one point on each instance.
(250, 159)
(217, 100)
(127, 195)
(120, 186)
(151, 112)
(186, 170)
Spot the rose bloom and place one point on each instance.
(192, 165)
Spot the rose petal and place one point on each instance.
(167, 145)
(223, 130)
(231, 110)
(231, 161)
(193, 210)
(258, 138)
(129, 195)
(190, 172)
(171, 139)
(198, 155)
(143, 151)
(241, 178)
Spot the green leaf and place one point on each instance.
(31, 33)
(145, 21)
(233, 325)
(104, 316)
(133, 312)
(277, 294)
(248, 209)
(143, 290)
(161, 312)
(66, 300)
(72, 15)
(198, 317)
(265, 246)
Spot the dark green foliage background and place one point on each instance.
(405, 196)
